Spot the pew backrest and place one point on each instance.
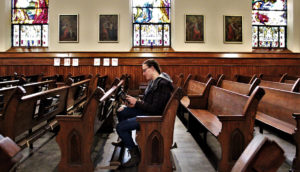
(23, 112)
(282, 86)
(280, 104)
(241, 88)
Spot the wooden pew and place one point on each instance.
(7, 78)
(229, 117)
(5, 93)
(155, 137)
(203, 79)
(102, 82)
(282, 86)
(78, 93)
(9, 153)
(244, 78)
(9, 83)
(77, 131)
(178, 80)
(33, 78)
(23, 112)
(288, 78)
(274, 78)
(262, 155)
(276, 109)
(191, 88)
(238, 87)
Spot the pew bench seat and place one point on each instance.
(210, 121)
(276, 123)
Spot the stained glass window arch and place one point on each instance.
(151, 23)
(269, 23)
(29, 23)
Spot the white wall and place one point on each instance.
(293, 26)
(5, 26)
(213, 10)
(89, 24)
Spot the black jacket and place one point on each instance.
(157, 95)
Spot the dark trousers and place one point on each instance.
(127, 123)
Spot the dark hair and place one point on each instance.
(152, 62)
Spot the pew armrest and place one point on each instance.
(149, 118)
(197, 101)
(231, 117)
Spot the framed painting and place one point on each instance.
(108, 28)
(194, 28)
(68, 28)
(233, 29)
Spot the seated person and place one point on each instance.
(156, 96)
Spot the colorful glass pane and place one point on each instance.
(30, 16)
(30, 4)
(16, 36)
(269, 17)
(31, 35)
(45, 36)
(151, 15)
(151, 3)
(151, 35)
(269, 4)
(282, 37)
(268, 36)
(136, 34)
(254, 36)
(166, 35)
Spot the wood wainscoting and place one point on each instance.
(173, 63)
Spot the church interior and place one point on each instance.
(68, 66)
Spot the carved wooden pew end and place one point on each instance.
(9, 153)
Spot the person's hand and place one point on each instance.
(121, 108)
(131, 101)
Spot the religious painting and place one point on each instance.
(108, 28)
(194, 28)
(68, 28)
(233, 29)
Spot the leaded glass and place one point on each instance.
(269, 17)
(151, 22)
(16, 36)
(151, 15)
(167, 35)
(136, 35)
(269, 4)
(151, 3)
(282, 37)
(30, 16)
(151, 35)
(269, 22)
(31, 35)
(268, 36)
(30, 22)
(30, 3)
(254, 36)
(45, 35)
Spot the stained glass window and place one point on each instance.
(151, 23)
(29, 23)
(269, 23)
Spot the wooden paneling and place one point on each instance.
(171, 62)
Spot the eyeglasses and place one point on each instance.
(144, 70)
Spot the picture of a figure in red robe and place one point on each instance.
(233, 29)
(194, 28)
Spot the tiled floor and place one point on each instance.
(188, 156)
